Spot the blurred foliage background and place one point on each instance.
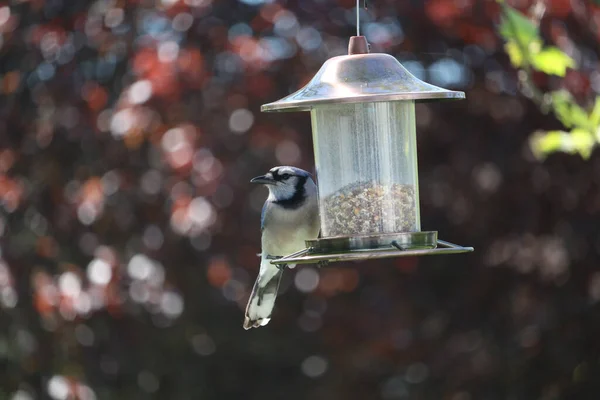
(129, 131)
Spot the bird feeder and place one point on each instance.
(362, 108)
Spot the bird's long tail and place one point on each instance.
(262, 300)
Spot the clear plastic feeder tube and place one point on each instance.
(366, 159)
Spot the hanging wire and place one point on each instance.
(358, 15)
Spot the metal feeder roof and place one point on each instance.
(361, 78)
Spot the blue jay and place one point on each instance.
(289, 217)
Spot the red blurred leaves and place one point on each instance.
(164, 80)
(40, 31)
(484, 36)
(144, 60)
(457, 15)
(7, 159)
(95, 95)
(558, 8)
(218, 272)
(407, 264)
(45, 293)
(335, 280)
(264, 20)
(578, 83)
(191, 66)
(11, 192)
(249, 50)
(446, 12)
(168, 78)
(10, 82)
(47, 247)
(260, 86)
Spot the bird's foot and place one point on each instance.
(280, 266)
(322, 263)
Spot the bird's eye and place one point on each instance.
(285, 176)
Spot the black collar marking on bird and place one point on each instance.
(297, 199)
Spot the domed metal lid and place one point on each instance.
(361, 78)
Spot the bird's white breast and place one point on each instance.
(287, 229)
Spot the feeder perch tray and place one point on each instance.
(370, 247)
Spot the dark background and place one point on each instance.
(128, 133)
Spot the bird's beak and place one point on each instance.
(264, 179)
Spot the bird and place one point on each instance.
(289, 216)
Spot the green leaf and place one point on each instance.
(544, 143)
(595, 114)
(582, 141)
(514, 53)
(578, 141)
(552, 61)
(516, 26)
(569, 112)
(580, 118)
(561, 101)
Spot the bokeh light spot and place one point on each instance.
(448, 73)
(287, 152)
(171, 304)
(201, 213)
(4, 15)
(84, 335)
(203, 344)
(168, 51)
(121, 122)
(140, 267)
(153, 237)
(148, 381)
(417, 373)
(99, 272)
(140, 92)
(114, 17)
(69, 284)
(21, 395)
(394, 388)
(307, 279)
(309, 39)
(314, 366)
(58, 387)
(182, 22)
(241, 120)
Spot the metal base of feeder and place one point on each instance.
(369, 247)
(399, 241)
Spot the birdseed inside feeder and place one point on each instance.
(363, 121)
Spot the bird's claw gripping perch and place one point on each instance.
(280, 266)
